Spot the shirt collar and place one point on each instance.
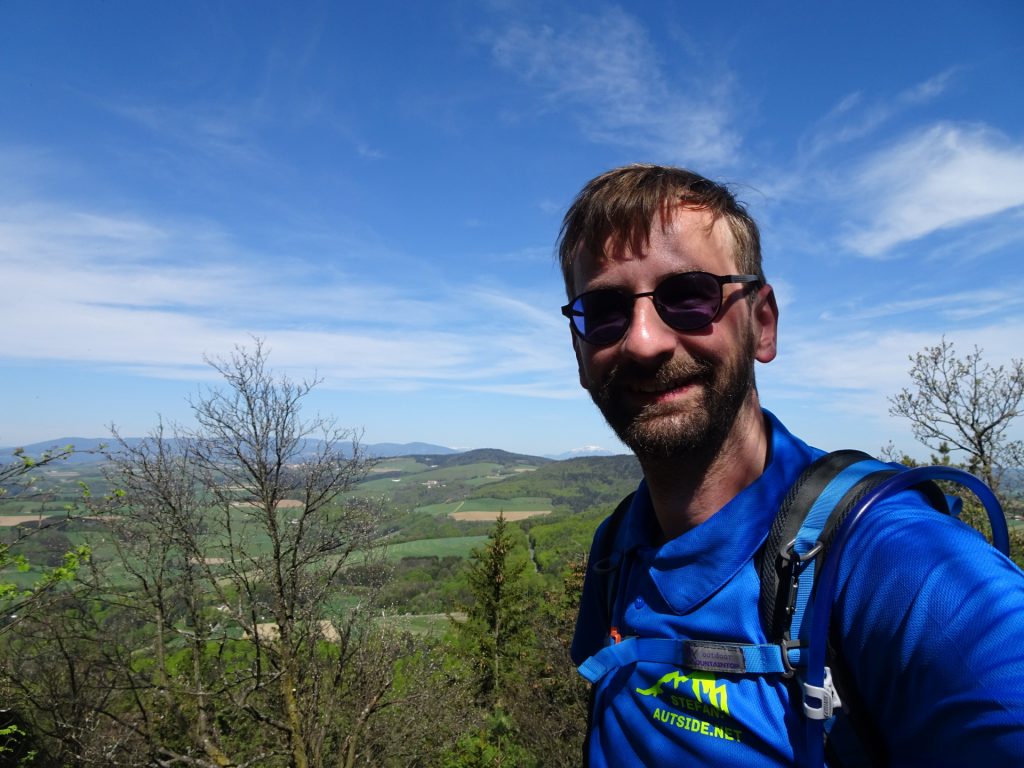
(690, 568)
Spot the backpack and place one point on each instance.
(798, 570)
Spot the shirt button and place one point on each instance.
(638, 603)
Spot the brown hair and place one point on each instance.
(617, 209)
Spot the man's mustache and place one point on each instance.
(674, 373)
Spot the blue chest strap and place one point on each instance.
(697, 655)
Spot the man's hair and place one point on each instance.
(616, 210)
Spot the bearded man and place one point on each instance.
(669, 309)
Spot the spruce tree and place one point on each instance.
(496, 633)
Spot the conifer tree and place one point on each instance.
(495, 639)
(496, 633)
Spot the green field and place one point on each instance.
(383, 484)
(46, 508)
(460, 472)
(520, 504)
(420, 475)
(404, 464)
(440, 509)
(459, 546)
(489, 505)
(432, 624)
(476, 482)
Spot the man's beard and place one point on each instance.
(669, 430)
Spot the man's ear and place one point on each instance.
(579, 361)
(766, 325)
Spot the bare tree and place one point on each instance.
(965, 404)
(158, 533)
(224, 631)
(18, 480)
(18, 469)
(230, 639)
(277, 481)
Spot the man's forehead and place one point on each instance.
(681, 223)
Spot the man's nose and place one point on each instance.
(648, 338)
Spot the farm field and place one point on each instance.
(9, 521)
(454, 546)
(439, 507)
(406, 464)
(490, 517)
(431, 624)
(435, 510)
(488, 508)
(408, 473)
(460, 472)
(519, 504)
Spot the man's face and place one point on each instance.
(668, 393)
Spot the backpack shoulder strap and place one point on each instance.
(810, 514)
(802, 533)
(795, 532)
(607, 564)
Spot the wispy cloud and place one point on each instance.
(857, 372)
(988, 236)
(857, 116)
(937, 179)
(122, 292)
(219, 132)
(604, 70)
(1000, 299)
(526, 255)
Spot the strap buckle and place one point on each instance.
(788, 553)
(786, 645)
(826, 694)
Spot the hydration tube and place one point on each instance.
(821, 601)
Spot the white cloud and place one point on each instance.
(128, 294)
(219, 131)
(871, 366)
(854, 117)
(1002, 298)
(938, 179)
(987, 236)
(834, 391)
(603, 69)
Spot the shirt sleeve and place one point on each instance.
(931, 628)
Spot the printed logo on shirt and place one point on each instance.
(700, 701)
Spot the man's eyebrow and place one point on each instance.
(600, 286)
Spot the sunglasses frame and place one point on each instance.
(722, 280)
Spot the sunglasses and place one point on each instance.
(685, 302)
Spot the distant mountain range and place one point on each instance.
(88, 449)
(587, 450)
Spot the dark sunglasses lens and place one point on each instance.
(603, 316)
(688, 301)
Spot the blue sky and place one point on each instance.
(375, 189)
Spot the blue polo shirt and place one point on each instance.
(930, 621)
